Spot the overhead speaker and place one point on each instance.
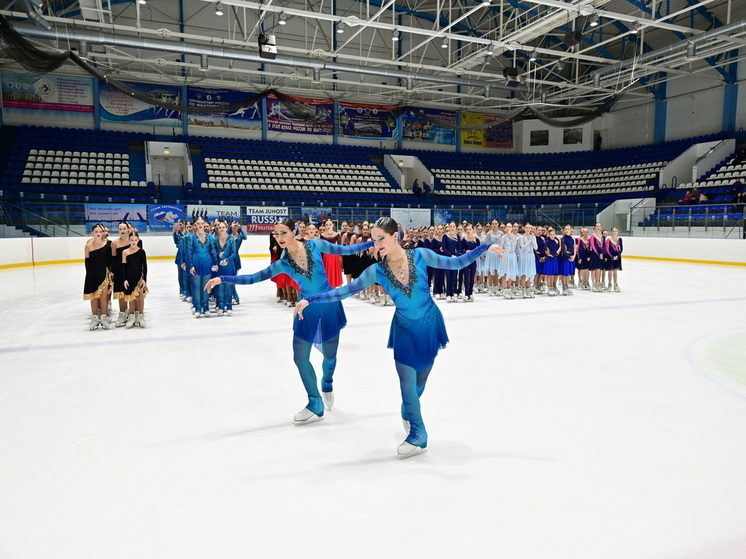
(572, 38)
(267, 46)
(510, 74)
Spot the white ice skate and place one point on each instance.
(407, 450)
(328, 398)
(306, 416)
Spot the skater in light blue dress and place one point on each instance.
(417, 330)
(526, 260)
(302, 261)
(508, 263)
(492, 261)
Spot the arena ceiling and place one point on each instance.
(568, 55)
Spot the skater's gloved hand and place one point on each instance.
(214, 268)
(299, 306)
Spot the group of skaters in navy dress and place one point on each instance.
(117, 269)
(535, 260)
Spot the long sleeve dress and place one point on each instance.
(325, 321)
(526, 259)
(417, 329)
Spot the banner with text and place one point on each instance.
(65, 98)
(164, 216)
(112, 214)
(498, 136)
(419, 129)
(211, 213)
(244, 118)
(411, 217)
(320, 113)
(372, 122)
(119, 107)
(262, 219)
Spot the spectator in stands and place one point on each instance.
(737, 192)
(416, 189)
(427, 188)
(695, 195)
(686, 199)
(702, 197)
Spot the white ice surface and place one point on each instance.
(598, 426)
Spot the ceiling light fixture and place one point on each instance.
(203, 63)
(490, 50)
(635, 29)
(595, 18)
(283, 19)
(691, 51)
(596, 80)
(444, 44)
(316, 75)
(395, 35)
(142, 2)
(559, 66)
(218, 8)
(532, 56)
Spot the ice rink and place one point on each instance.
(598, 426)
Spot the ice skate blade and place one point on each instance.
(407, 450)
(328, 398)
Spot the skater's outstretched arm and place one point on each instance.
(269, 272)
(341, 250)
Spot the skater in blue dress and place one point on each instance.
(238, 238)
(302, 261)
(417, 329)
(527, 260)
(450, 246)
(551, 264)
(225, 250)
(200, 258)
(509, 262)
(568, 254)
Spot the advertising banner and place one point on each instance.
(443, 217)
(245, 118)
(498, 136)
(112, 214)
(262, 219)
(164, 216)
(411, 217)
(119, 107)
(27, 95)
(373, 122)
(419, 129)
(280, 119)
(211, 213)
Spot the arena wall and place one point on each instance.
(61, 250)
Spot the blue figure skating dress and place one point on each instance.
(324, 321)
(492, 260)
(526, 259)
(418, 331)
(509, 261)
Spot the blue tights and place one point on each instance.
(302, 358)
(412, 384)
(200, 297)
